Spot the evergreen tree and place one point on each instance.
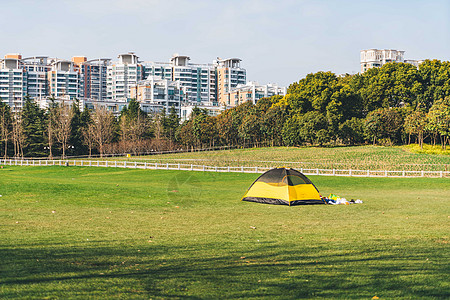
(171, 123)
(79, 123)
(34, 126)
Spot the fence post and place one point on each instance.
(167, 166)
(385, 173)
(106, 163)
(242, 169)
(39, 163)
(256, 169)
(156, 166)
(90, 163)
(441, 174)
(145, 165)
(301, 170)
(403, 173)
(228, 169)
(135, 165)
(334, 172)
(350, 172)
(317, 171)
(81, 162)
(125, 164)
(98, 163)
(192, 167)
(115, 164)
(203, 168)
(423, 173)
(178, 166)
(368, 173)
(215, 169)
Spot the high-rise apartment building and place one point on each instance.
(63, 79)
(375, 58)
(198, 81)
(251, 91)
(37, 68)
(156, 85)
(93, 77)
(13, 81)
(121, 75)
(229, 75)
(155, 94)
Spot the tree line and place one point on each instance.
(64, 130)
(395, 104)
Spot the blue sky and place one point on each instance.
(278, 41)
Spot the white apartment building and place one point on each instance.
(375, 58)
(203, 84)
(212, 109)
(251, 91)
(63, 80)
(100, 80)
(13, 81)
(121, 75)
(155, 94)
(160, 69)
(197, 80)
(37, 68)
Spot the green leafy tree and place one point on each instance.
(272, 124)
(392, 85)
(415, 124)
(384, 123)
(434, 76)
(352, 131)
(204, 130)
(249, 129)
(439, 119)
(310, 127)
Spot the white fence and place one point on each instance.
(205, 168)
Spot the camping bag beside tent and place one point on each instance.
(284, 187)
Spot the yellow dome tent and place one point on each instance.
(284, 187)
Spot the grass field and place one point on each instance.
(360, 157)
(75, 232)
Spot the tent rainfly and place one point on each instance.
(284, 187)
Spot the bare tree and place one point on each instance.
(51, 130)
(18, 135)
(63, 119)
(133, 131)
(103, 128)
(5, 124)
(89, 137)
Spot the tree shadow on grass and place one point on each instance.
(198, 271)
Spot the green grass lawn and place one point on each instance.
(79, 232)
(358, 157)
